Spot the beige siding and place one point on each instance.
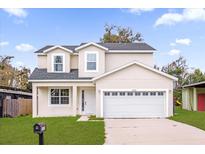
(134, 77)
(42, 61)
(101, 62)
(115, 60)
(41, 107)
(59, 51)
(74, 62)
(44, 109)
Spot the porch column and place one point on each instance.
(74, 98)
(34, 100)
(195, 99)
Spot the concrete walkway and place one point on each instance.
(151, 131)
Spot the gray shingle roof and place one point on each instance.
(127, 46)
(42, 74)
(110, 46)
(70, 47)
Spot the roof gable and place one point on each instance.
(135, 63)
(55, 47)
(91, 43)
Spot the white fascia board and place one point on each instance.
(57, 46)
(137, 63)
(41, 54)
(91, 43)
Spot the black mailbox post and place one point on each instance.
(39, 129)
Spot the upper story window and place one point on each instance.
(58, 62)
(91, 61)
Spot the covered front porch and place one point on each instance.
(63, 99)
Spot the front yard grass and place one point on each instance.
(93, 117)
(194, 118)
(60, 130)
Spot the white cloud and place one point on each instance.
(24, 47)
(172, 44)
(138, 11)
(21, 13)
(168, 19)
(186, 15)
(174, 52)
(4, 43)
(184, 41)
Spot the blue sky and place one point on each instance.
(173, 32)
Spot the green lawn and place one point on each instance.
(193, 118)
(93, 117)
(60, 130)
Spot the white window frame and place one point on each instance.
(59, 105)
(97, 60)
(58, 54)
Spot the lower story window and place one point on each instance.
(59, 96)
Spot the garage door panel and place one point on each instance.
(134, 106)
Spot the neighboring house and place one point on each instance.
(12, 93)
(111, 80)
(193, 96)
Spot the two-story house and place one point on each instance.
(111, 80)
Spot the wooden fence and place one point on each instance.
(17, 107)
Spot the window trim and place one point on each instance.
(58, 54)
(97, 61)
(59, 105)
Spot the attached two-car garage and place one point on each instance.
(134, 91)
(134, 104)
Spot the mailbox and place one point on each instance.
(39, 128)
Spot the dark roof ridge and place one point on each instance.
(110, 46)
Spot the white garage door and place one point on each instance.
(129, 104)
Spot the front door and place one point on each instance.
(88, 101)
(201, 102)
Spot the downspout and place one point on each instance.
(173, 98)
(37, 101)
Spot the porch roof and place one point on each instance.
(42, 74)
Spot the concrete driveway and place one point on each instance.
(151, 131)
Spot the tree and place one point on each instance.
(11, 76)
(6, 71)
(118, 34)
(22, 78)
(179, 69)
(196, 76)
